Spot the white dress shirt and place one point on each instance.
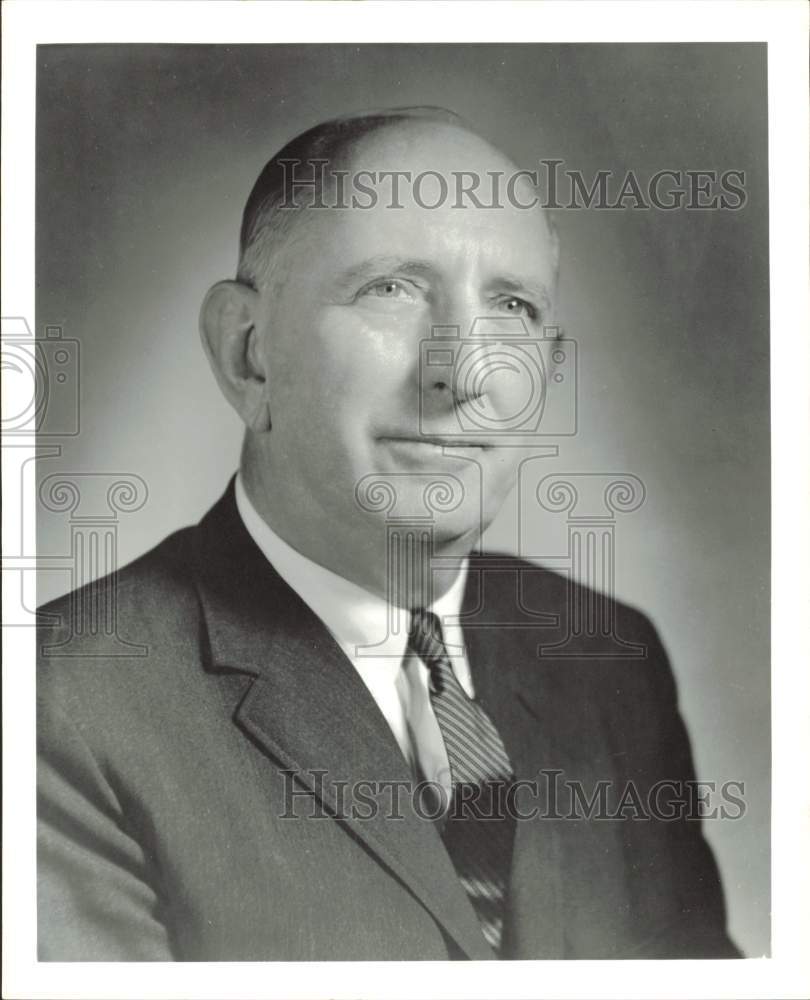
(358, 619)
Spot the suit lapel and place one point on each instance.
(310, 711)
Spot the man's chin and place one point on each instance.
(456, 539)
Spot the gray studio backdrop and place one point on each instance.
(145, 156)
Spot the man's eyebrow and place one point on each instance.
(375, 267)
(513, 283)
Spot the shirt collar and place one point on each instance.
(354, 616)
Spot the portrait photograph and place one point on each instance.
(402, 554)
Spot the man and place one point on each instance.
(343, 742)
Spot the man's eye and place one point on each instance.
(388, 289)
(514, 306)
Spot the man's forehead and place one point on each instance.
(441, 175)
(414, 146)
(467, 230)
(416, 225)
(439, 248)
(424, 191)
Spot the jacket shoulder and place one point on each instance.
(585, 645)
(158, 579)
(124, 628)
(553, 592)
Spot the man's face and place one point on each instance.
(341, 337)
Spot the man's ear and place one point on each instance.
(229, 336)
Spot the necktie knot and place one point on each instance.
(425, 628)
(426, 640)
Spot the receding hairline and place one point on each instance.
(373, 142)
(337, 141)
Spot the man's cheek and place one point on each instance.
(498, 477)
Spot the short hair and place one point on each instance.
(264, 226)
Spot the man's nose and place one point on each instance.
(451, 322)
(438, 359)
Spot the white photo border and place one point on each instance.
(783, 25)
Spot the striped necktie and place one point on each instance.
(479, 828)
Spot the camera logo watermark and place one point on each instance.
(40, 418)
(46, 398)
(509, 387)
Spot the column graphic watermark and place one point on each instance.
(410, 504)
(93, 503)
(591, 502)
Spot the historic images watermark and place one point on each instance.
(551, 185)
(312, 794)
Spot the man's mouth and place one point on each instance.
(437, 441)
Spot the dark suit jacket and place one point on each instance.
(168, 827)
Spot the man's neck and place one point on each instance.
(406, 575)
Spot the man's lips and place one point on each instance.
(437, 441)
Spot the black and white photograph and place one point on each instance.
(391, 450)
